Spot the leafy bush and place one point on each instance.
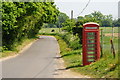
(71, 40)
(24, 20)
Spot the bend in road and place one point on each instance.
(38, 61)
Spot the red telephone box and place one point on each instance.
(91, 43)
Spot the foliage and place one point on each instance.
(106, 67)
(107, 21)
(78, 31)
(48, 30)
(116, 23)
(75, 25)
(49, 25)
(68, 25)
(24, 20)
(96, 16)
(71, 40)
(62, 17)
(20, 46)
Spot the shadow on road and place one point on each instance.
(57, 57)
(68, 54)
(74, 66)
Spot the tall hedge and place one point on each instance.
(24, 20)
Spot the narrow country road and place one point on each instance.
(38, 61)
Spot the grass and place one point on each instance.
(48, 30)
(109, 29)
(105, 30)
(106, 67)
(67, 53)
(107, 45)
(19, 47)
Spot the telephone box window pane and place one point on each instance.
(91, 52)
(91, 56)
(91, 27)
(90, 41)
(91, 45)
(91, 34)
(91, 60)
(91, 37)
(91, 48)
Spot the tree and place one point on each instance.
(62, 17)
(98, 17)
(68, 25)
(107, 21)
(24, 20)
(116, 22)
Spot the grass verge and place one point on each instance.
(19, 47)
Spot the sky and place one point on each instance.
(104, 6)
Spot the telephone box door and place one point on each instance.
(90, 47)
(91, 43)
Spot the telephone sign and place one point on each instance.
(90, 43)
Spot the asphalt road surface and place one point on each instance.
(38, 61)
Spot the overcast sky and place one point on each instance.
(104, 6)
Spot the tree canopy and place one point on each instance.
(75, 25)
(24, 20)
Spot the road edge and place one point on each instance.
(18, 53)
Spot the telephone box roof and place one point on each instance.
(91, 23)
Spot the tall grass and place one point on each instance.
(106, 67)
